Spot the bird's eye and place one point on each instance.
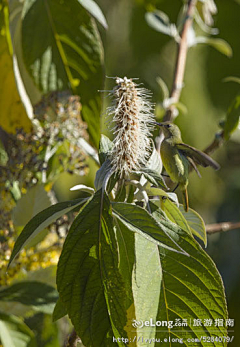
(168, 125)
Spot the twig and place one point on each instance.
(181, 61)
(217, 142)
(221, 227)
(72, 340)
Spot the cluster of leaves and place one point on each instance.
(125, 250)
(126, 241)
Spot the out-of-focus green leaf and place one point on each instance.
(61, 52)
(31, 203)
(88, 278)
(41, 221)
(196, 223)
(59, 311)
(232, 79)
(3, 155)
(159, 21)
(12, 111)
(163, 87)
(40, 296)
(232, 118)
(93, 8)
(219, 44)
(14, 333)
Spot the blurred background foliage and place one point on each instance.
(129, 47)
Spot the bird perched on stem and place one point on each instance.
(177, 157)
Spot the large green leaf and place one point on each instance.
(14, 333)
(40, 296)
(88, 278)
(191, 289)
(59, 311)
(139, 220)
(65, 51)
(42, 220)
(174, 214)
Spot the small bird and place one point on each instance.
(177, 157)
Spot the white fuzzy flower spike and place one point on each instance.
(132, 117)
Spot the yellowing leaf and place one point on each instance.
(12, 111)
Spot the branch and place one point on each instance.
(217, 142)
(181, 61)
(72, 340)
(221, 227)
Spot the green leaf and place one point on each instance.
(88, 278)
(93, 8)
(40, 296)
(62, 53)
(175, 215)
(59, 311)
(41, 221)
(147, 278)
(14, 333)
(152, 170)
(31, 203)
(219, 44)
(196, 223)
(232, 118)
(163, 87)
(159, 21)
(105, 147)
(140, 221)
(103, 175)
(191, 289)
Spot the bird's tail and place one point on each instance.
(185, 199)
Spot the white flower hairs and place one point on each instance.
(132, 117)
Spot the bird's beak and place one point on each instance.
(159, 124)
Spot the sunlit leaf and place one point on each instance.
(93, 8)
(196, 223)
(12, 111)
(191, 289)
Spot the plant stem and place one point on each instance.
(181, 61)
(221, 227)
(72, 340)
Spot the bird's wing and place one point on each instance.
(197, 156)
(191, 161)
